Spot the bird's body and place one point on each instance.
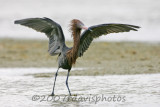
(81, 42)
(63, 61)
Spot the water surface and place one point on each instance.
(19, 89)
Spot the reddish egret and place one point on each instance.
(81, 42)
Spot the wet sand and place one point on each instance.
(101, 58)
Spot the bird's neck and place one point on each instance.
(73, 53)
(76, 39)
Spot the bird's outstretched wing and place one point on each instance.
(99, 30)
(52, 29)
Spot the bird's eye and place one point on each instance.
(79, 25)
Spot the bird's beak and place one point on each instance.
(84, 27)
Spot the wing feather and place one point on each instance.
(99, 30)
(52, 29)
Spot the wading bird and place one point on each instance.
(81, 42)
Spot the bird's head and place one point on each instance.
(77, 25)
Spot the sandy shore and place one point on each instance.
(101, 58)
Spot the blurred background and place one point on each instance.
(144, 13)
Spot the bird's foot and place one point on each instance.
(52, 94)
(74, 94)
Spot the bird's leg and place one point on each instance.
(54, 82)
(67, 83)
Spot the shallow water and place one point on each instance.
(18, 89)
